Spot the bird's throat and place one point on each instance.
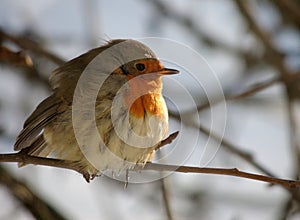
(145, 97)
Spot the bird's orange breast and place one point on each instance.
(150, 103)
(145, 96)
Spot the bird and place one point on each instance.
(128, 113)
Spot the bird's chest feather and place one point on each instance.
(143, 96)
(141, 117)
(151, 103)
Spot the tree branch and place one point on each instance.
(22, 157)
(290, 184)
(291, 9)
(27, 44)
(247, 156)
(248, 92)
(166, 198)
(164, 186)
(274, 56)
(201, 36)
(34, 204)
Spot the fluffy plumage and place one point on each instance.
(129, 92)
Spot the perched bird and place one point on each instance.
(130, 115)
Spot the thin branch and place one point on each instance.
(15, 58)
(291, 9)
(188, 23)
(294, 145)
(277, 60)
(27, 44)
(168, 140)
(293, 135)
(247, 156)
(21, 59)
(290, 184)
(22, 157)
(166, 201)
(39, 208)
(274, 56)
(248, 92)
(287, 206)
(253, 89)
(164, 186)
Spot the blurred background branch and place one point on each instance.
(38, 207)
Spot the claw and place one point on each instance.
(87, 177)
(126, 179)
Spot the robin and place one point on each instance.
(130, 113)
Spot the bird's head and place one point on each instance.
(144, 74)
(141, 67)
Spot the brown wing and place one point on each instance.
(63, 81)
(46, 111)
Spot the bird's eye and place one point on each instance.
(140, 66)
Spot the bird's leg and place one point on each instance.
(126, 178)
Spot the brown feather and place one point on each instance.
(63, 81)
(33, 126)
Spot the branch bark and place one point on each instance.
(27, 44)
(290, 184)
(73, 165)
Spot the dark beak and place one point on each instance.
(167, 71)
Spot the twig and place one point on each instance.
(274, 55)
(221, 171)
(291, 9)
(73, 165)
(22, 157)
(164, 185)
(32, 46)
(189, 24)
(247, 156)
(276, 60)
(21, 59)
(230, 147)
(15, 58)
(168, 140)
(248, 92)
(293, 135)
(289, 92)
(235, 150)
(287, 206)
(165, 195)
(253, 89)
(39, 208)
